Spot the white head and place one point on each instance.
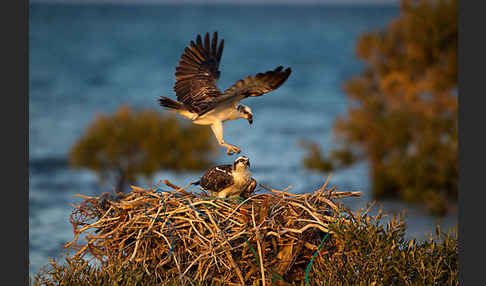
(241, 163)
(245, 112)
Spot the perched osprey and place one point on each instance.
(200, 100)
(229, 180)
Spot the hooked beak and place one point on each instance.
(248, 163)
(250, 119)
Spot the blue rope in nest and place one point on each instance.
(167, 219)
(169, 223)
(307, 270)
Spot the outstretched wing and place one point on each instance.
(254, 85)
(259, 84)
(197, 73)
(217, 178)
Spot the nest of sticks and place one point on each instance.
(188, 236)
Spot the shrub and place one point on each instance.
(130, 143)
(78, 271)
(371, 252)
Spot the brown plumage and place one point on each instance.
(217, 178)
(198, 71)
(229, 180)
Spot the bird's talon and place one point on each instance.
(233, 150)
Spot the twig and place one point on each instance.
(257, 232)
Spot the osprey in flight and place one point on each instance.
(226, 180)
(200, 100)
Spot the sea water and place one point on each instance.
(90, 59)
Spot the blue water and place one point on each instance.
(90, 59)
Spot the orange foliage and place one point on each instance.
(403, 112)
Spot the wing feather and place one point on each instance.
(220, 50)
(260, 84)
(197, 73)
(214, 45)
(253, 86)
(206, 45)
(194, 56)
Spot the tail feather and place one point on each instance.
(169, 103)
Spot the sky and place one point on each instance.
(347, 2)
